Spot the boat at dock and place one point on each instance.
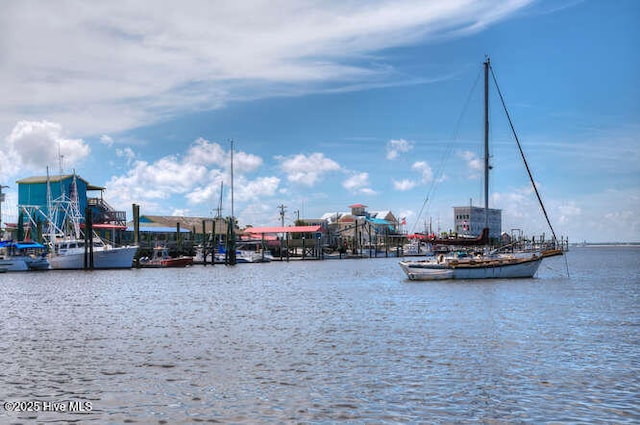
(23, 256)
(161, 258)
(75, 254)
(246, 252)
(471, 258)
(70, 239)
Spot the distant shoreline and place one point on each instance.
(606, 244)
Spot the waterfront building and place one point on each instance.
(37, 193)
(162, 229)
(359, 227)
(470, 220)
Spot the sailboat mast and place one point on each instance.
(231, 151)
(220, 201)
(51, 225)
(487, 64)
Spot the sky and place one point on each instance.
(328, 104)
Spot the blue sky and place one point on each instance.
(330, 104)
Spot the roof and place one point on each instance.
(52, 179)
(158, 229)
(280, 229)
(333, 216)
(378, 221)
(380, 214)
(357, 206)
(171, 220)
(104, 226)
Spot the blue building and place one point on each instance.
(36, 194)
(32, 191)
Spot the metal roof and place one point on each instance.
(52, 179)
(280, 229)
(158, 229)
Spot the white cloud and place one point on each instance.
(358, 183)
(196, 177)
(34, 145)
(206, 153)
(203, 152)
(153, 181)
(106, 140)
(138, 62)
(246, 163)
(569, 212)
(262, 187)
(474, 164)
(424, 169)
(307, 170)
(180, 212)
(426, 176)
(607, 216)
(396, 147)
(404, 185)
(203, 194)
(126, 153)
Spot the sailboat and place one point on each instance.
(486, 264)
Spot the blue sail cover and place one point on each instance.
(21, 245)
(27, 245)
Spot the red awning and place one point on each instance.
(280, 229)
(421, 236)
(106, 226)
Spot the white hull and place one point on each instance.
(243, 256)
(113, 258)
(14, 264)
(507, 268)
(24, 263)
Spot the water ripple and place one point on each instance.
(325, 342)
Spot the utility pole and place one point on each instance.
(282, 209)
(231, 241)
(1, 201)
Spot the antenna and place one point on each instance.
(220, 201)
(282, 210)
(60, 160)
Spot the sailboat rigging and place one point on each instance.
(488, 264)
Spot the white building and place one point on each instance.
(470, 220)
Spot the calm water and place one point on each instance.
(324, 342)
